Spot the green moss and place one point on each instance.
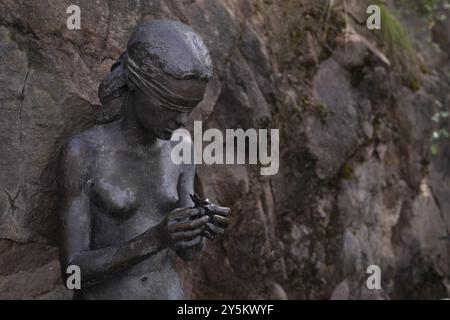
(425, 69)
(306, 103)
(322, 111)
(414, 84)
(298, 109)
(346, 171)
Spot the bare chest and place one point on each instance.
(130, 193)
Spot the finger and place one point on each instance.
(182, 214)
(187, 235)
(188, 225)
(214, 229)
(195, 211)
(209, 235)
(186, 244)
(221, 220)
(224, 211)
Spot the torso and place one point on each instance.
(131, 191)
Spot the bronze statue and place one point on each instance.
(123, 202)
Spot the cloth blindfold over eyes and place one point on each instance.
(152, 88)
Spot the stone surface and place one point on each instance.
(357, 182)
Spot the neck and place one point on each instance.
(132, 130)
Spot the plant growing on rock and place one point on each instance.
(399, 47)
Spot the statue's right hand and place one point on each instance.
(183, 227)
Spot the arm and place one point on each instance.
(75, 218)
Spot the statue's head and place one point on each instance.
(162, 76)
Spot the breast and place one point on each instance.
(125, 182)
(116, 196)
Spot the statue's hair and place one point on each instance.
(160, 48)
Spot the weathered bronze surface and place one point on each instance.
(123, 203)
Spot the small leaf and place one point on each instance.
(434, 149)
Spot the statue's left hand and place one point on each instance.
(219, 220)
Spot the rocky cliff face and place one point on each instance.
(357, 185)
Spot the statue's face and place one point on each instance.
(158, 120)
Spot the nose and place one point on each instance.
(181, 119)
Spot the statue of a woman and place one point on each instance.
(123, 202)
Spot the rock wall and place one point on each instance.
(357, 182)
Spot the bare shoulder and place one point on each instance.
(80, 144)
(77, 151)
